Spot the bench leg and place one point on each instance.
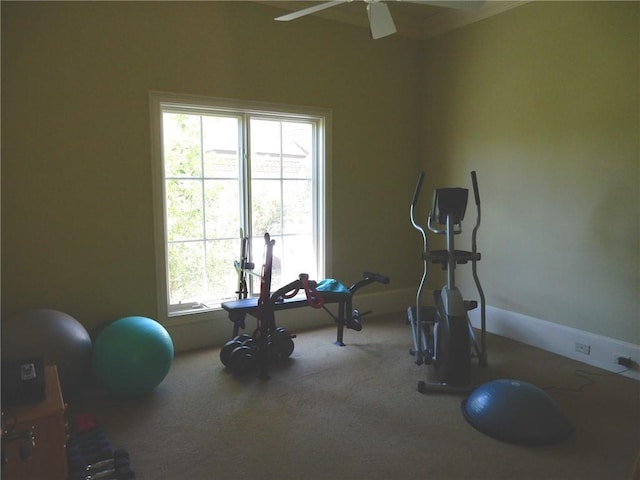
(340, 323)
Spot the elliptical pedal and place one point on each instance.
(470, 305)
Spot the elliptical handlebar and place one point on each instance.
(416, 192)
(476, 193)
(414, 200)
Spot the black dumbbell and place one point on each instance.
(113, 471)
(120, 459)
(119, 473)
(243, 360)
(281, 345)
(117, 467)
(88, 459)
(227, 349)
(241, 340)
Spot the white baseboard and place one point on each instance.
(560, 339)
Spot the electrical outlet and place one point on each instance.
(621, 359)
(583, 348)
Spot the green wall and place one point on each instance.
(543, 102)
(77, 214)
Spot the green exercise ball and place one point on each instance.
(132, 356)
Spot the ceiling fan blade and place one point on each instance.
(310, 10)
(380, 20)
(457, 4)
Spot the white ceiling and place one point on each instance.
(412, 20)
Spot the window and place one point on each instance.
(223, 169)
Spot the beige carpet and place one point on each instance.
(354, 413)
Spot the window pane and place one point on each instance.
(259, 250)
(222, 207)
(266, 151)
(220, 140)
(181, 143)
(222, 278)
(298, 257)
(266, 207)
(292, 255)
(184, 210)
(297, 211)
(186, 272)
(297, 150)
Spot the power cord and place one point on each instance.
(587, 376)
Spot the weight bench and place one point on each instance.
(330, 291)
(263, 308)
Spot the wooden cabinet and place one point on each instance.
(47, 458)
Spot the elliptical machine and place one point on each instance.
(442, 334)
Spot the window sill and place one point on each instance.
(186, 316)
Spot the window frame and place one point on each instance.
(158, 101)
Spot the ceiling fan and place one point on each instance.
(380, 19)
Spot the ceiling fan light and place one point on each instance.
(380, 20)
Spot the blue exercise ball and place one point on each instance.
(132, 356)
(517, 412)
(55, 337)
